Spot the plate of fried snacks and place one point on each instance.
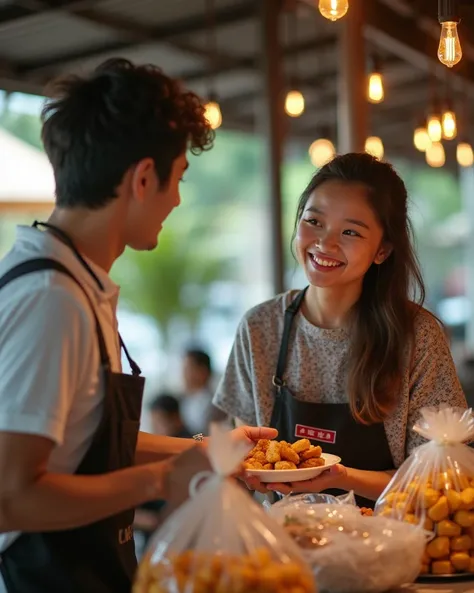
(279, 461)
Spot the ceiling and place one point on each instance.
(40, 39)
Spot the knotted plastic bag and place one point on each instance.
(220, 540)
(434, 488)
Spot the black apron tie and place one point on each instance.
(99, 557)
(332, 426)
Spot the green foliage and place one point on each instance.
(24, 126)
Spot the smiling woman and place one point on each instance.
(350, 360)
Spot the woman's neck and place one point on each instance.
(330, 308)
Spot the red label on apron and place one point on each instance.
(316, 434)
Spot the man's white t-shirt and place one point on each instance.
(50, 379)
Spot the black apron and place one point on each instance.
(331, 426)
(100, 557)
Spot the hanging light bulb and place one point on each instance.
(435, 156)
(294, 103)
(464, 154)
(449, 125)
(213, 114)
(375, 92)
(374, 146)
(421, 140)
(333, 9)
(435, 130)
(449, 49)
(321, 151)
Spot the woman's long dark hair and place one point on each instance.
(392, 294)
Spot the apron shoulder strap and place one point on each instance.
(43, 263)
(290, 314)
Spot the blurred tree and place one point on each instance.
(24, 126)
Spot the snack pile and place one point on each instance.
(443, 504)
(280, 455)
(222, 573)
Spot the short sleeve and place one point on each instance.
(235, 392)
(43, 339)
(433, 377)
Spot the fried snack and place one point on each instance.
(301, 445)
(273, 452)
(288, 453)
(285, 465)
(259, 456)
(210, 573)
(263, 444)
(313, 462)
(311, 452)
(366, 512)
(268, 466)
(252, 464)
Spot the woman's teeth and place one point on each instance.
(326, 262)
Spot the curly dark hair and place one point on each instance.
(95, 128)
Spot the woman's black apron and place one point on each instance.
(331, 426)
(100, 557)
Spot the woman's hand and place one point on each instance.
(334, 477)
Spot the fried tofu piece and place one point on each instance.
(273, 452)
(289, 454)
(252, 464)
(285, 465)
(268, 466)
(313, 462)
(311, 452)
(301, 445)
(259, 456)
(262, 444)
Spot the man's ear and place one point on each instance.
(383, 253)
(143, 176)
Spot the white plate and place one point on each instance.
(294, 475)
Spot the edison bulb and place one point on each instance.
(294, 104)
(435, 130)
(374, 146)
(449, 125)
(421, 140)
(375, 91)
(321, 151)
(213, 114)
(449, 50)
(333, 9)
(464, 154)
(435, 156)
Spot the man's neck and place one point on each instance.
(92, 232)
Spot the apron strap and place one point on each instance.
(40, 264)
(290, 314)
(66, 239)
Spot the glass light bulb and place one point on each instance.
(464, 154)
(421, 140)
(449, 125)
(374, 146)
(333, 9)
(294, 104)
(375, 91)
(321, 151)
(449, 49)
(213, 114)
(435, 130)
(435, 156)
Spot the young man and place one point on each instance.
(72, 462)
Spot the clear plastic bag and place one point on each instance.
(220, 540)
(434, 488)
(349, 552)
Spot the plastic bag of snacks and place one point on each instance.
(350, 552)
(220, 540)
(434, 488)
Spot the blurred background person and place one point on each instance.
(165, 417)
(197, 409)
